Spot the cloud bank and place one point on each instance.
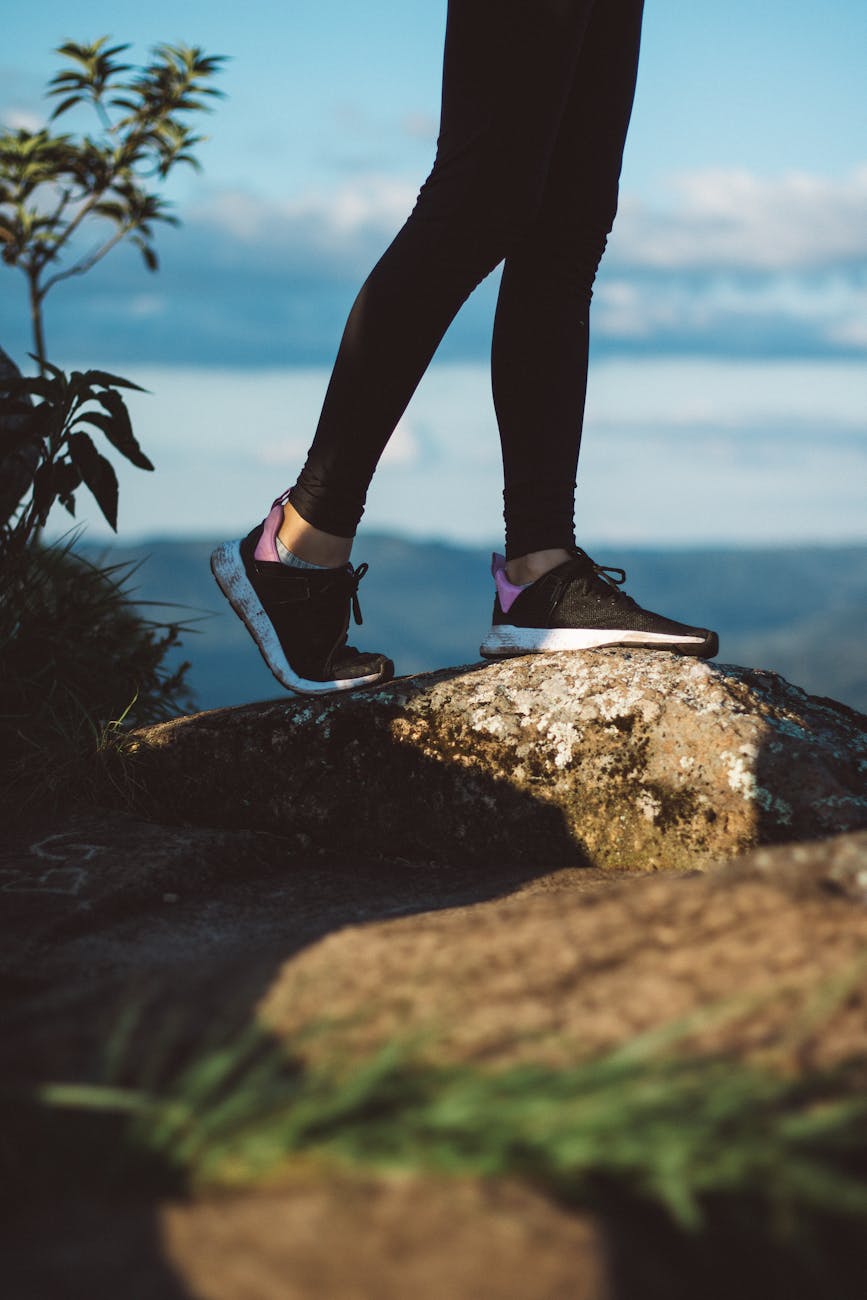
(721, 220)
(730, 264)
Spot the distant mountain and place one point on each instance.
(799, 611)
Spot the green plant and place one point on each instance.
(78, 663)
(66, 457)
(642, 1124)
(52, 187)
(77, 659)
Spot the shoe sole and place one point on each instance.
(503, 641)
(228, 569)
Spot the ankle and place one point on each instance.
(325, 550)
(524, 569)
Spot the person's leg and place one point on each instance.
(507, 73)
(550, 595)
(508, 67)
(540, 343)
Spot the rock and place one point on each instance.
(624, 759)
(829, 867)
(86, 873)
(347, 1238)
(761, 959)
(102, 893)
(756, 960)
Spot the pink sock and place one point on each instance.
(507, 591)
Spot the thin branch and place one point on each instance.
(36, 316)
(70, 230)
(102, 114)
(65, 196)
(85, 265)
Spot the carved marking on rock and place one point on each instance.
(68, 878)
(84, 851)
(68, 881)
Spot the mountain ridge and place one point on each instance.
(799, 611)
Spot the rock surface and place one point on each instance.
(624, 759)
(451, 862)
(214, 927)
(546, 974)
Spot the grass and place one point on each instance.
(640, 1124)
(78, 663)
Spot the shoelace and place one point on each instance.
(585, 570)
(355, 577)
(350, 578)
(302, 587)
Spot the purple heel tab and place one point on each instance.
(266, 548)
(507, 591)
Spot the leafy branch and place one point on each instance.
(52, 184)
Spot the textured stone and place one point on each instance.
(77, 879)
(752, 960)
(624, 759)
(828, 867)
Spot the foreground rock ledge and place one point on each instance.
(626, 759)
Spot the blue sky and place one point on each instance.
(739, 258)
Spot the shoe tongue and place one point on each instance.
(576, 566)
(582, 567)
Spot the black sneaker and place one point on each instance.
(579, 606)
(298, 618)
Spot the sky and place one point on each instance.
(727, 397)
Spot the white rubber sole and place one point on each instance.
(504, 640)
(230, 574)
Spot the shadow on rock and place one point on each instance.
(278, 824)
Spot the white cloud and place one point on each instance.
(831, 311)
(402, 450)
(403, 447)
(692, 451)
(851, 332)
(735, 265)
(145, 305)
(736, 220)
(420, 126)
(341, 225)
(280, 453)
(22, 119)
(718, 221)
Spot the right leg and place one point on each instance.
(550, 595)
(539, 352)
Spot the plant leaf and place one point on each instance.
(127, 445)
(105, 380)
(43, 490)
(55, 371)
(97, 473)
(117, 428)
(15, 394)
(66, 104)
(67, 479)
(36, 385)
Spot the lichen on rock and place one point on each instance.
(623, 758)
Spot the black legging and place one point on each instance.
(536, 101)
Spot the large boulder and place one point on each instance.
(624, 759)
